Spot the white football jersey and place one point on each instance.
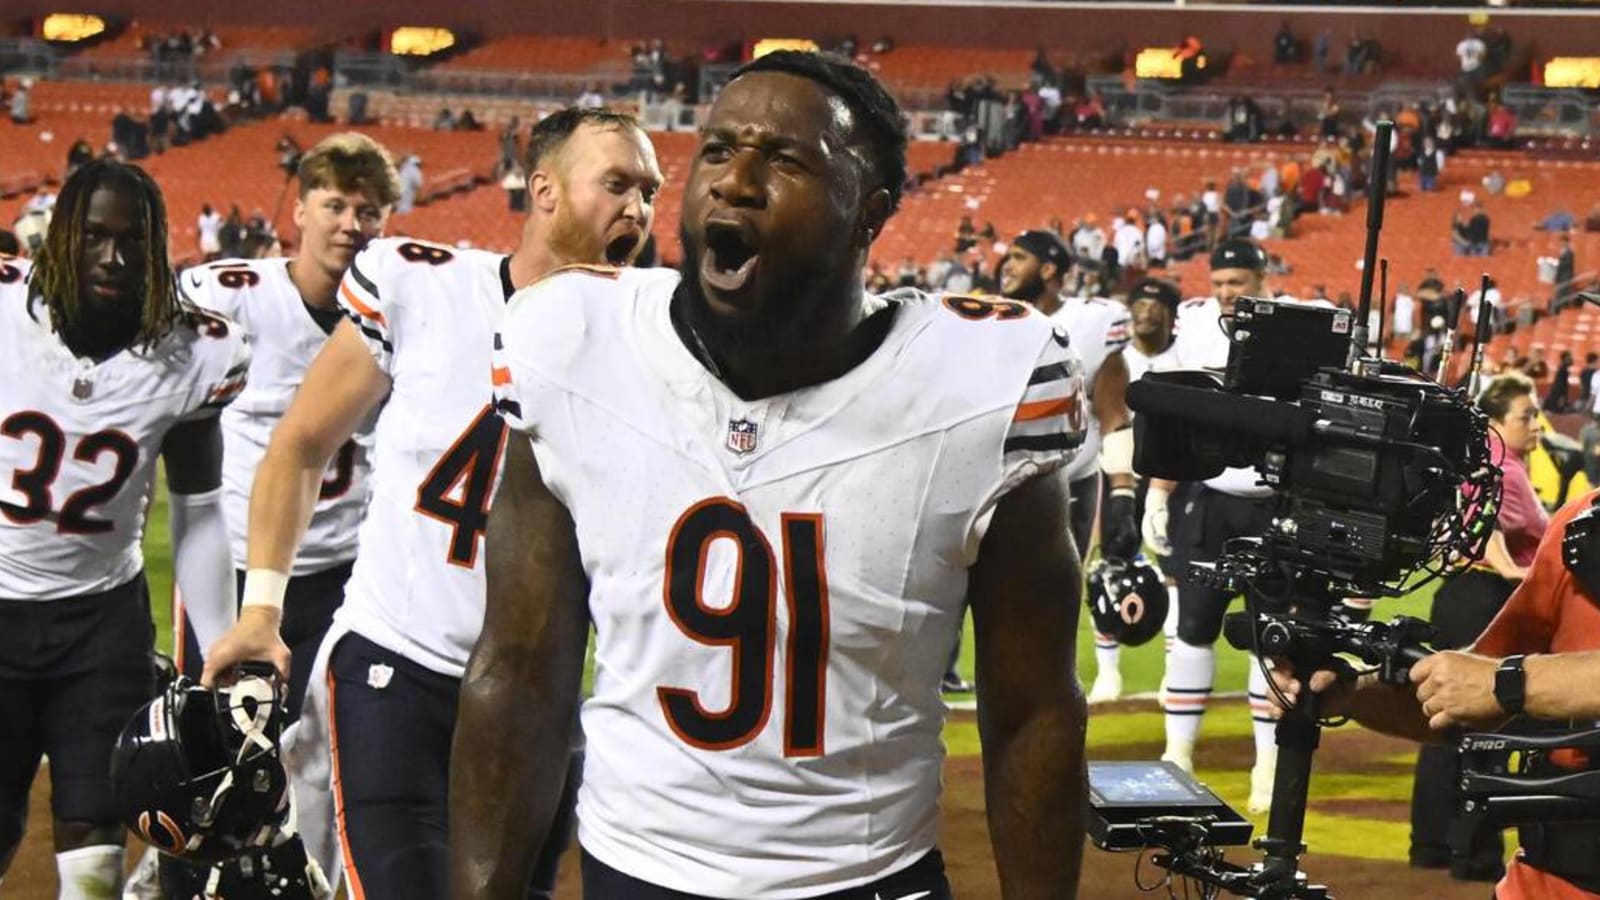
(1139, 364)
(775, 584)
(428, 314)
(1199, 342)
(1098, 328)
(259, 295)
(79, 440)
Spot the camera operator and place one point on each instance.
(1553, 613)
(1465, 604)
(1202, 518)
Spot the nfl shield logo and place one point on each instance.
(741, 436)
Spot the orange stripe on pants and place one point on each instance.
(352, 878)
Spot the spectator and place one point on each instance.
(1469, 228)
(1405, 313)
(1319, 49)
(1586, 393)
(1471, 51)
(1591, 222)
(515, 183)
(410, 183)
(1155, 243)
(590, 98)
(1430, 162)
(1558, 398)
(1283, 45)
(444, 121)
(1502, 126)
(22, 103)
(511, 143)
(909, 275)
(1088, 241)
(1494, 183)
(1328, 116)
(940, 269)
(1090, 111)
(231, 235)
(1128, 238)
(1242, 202)
(966, 235)
(209, 227)
(962, 275)
(1566, 271)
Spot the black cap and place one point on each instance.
(1047, 247)
(1239, 253)
(1158, 289)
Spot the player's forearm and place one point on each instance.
(282, 499)
(1035, 783)
(202, 564)
(502, 780)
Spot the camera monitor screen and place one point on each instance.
(1145, 784)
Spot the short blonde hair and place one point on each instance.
(350, 161)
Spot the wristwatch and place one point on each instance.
(1510, 685)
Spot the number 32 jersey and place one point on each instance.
(79, 440)
(775, 584)
(258, 294)
(428, 315)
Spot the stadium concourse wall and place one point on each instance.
(1417, 34)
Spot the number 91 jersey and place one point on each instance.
(428, 315)
(79, 440)
(775, 584)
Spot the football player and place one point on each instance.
(1231, 504)
(774, 496)
(348, 187)
(1034, 271)
(417, 342)
(103, 367)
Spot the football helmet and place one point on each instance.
(1127, 600)
(196, 771)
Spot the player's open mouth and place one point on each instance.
(621, 248)
(730, 258)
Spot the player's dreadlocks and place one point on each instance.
(553, 130)
(876, 112)
(56, 274)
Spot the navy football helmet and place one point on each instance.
(196, 771)
(1127, 600)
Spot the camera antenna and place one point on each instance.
(1383, 306)
(1453, 317)
(1377, 192)
(1484, 325)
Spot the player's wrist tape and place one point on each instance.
(264, 587)
(1116, 452)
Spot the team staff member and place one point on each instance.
(1206, 516)
(1465, 604)
(756, 483)
(1537, 658)
(103, 368)
(418, 342)
(1035, 267)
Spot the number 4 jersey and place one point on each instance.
(428, 315)
(79, 440)
(776, 584)
(259, 295)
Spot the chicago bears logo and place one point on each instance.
(165, 836)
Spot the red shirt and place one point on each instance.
(1550, 612)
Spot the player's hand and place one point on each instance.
(1155, 521)
(254, 637)
(1457, 688)
(1119, 525)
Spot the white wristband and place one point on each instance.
(264, 587)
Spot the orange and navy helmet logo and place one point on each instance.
(166, 835)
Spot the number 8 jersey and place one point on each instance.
(79, 440)
(775, 584)
(428, 315)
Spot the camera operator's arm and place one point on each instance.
(1498, 557)
(1370, 702)
(1457, 689)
